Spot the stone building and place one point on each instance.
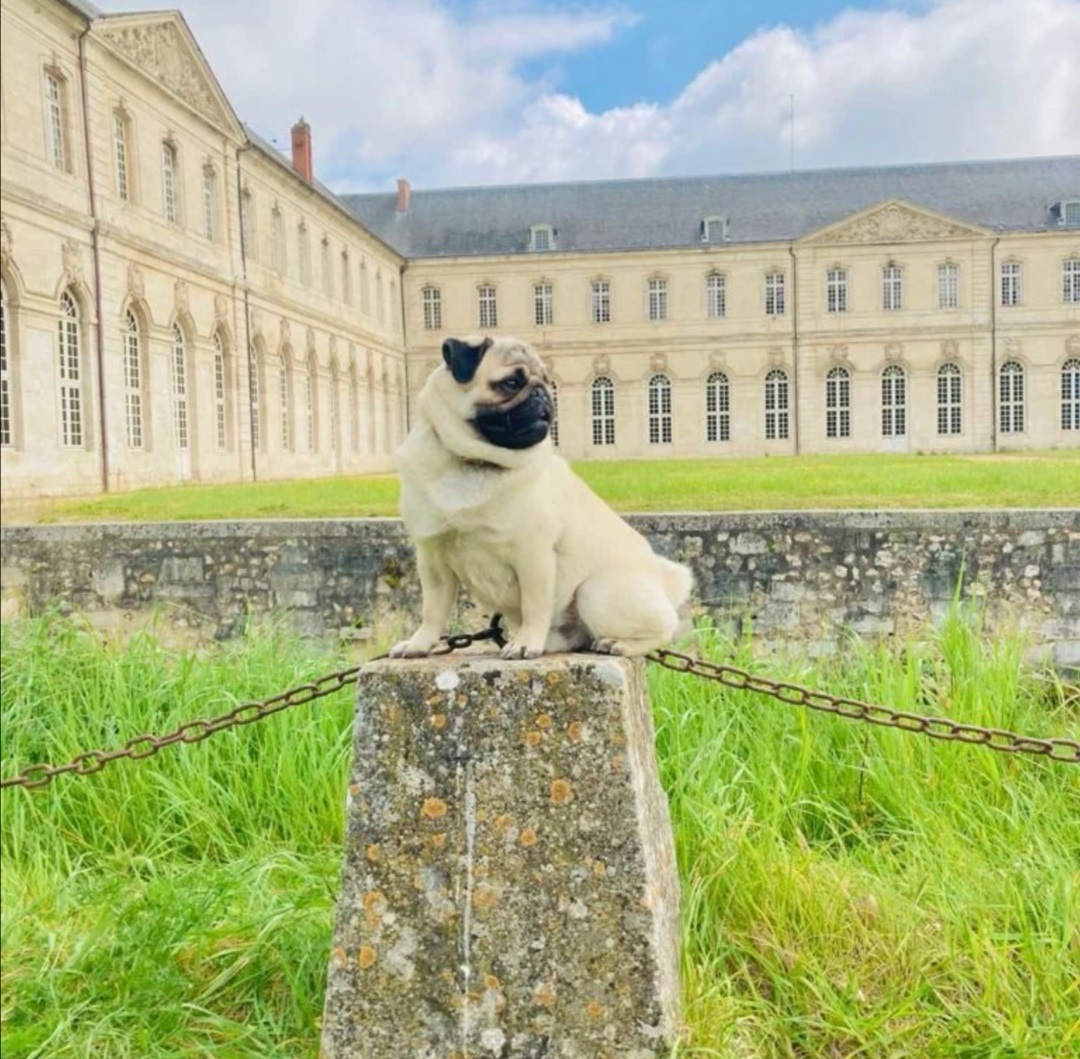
(183, 302)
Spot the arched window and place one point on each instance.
(717, 407)
(838, 403)
(1011, 397)
(255, 397)
(285, 401)
(603, 411)
(133, 381)
(950, 412)
(335, 408)
(659, 410)
(180, 389)
(1070, 395)
(553, 388)
(777, 415)
(221, 394)
(71, 396)
(354, 407)
(310, 399)
(893, 402)
(7, 391)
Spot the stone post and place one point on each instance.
(509, 886)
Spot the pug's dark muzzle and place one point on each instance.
(520, 426)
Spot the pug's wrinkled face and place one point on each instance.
(506, 386)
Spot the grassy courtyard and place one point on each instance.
(847, 891)
(1049, 479)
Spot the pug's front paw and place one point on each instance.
(608, 646)
(518, 649)
(416, 646)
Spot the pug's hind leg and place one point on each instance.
(439, 585)
(627, 613)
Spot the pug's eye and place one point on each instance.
(511, 384)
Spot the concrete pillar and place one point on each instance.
(509, 886)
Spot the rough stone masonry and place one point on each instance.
(509, 885)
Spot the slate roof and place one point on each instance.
(667, 211)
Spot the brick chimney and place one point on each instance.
(301, 149)
(403, 192)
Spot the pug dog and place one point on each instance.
(490, 504)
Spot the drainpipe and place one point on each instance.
(993, 347)
(795, 344)
(252, 373)
(95, 250)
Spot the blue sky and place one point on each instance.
(452, 92)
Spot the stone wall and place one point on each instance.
(806, 578)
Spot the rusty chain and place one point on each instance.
(39, 775)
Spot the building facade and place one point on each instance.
(181, 302)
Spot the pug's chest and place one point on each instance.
(485, 569)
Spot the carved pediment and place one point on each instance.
(164, 50)
(894, 222)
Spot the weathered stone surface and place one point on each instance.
(509, 886)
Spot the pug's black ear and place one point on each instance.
(463, 359)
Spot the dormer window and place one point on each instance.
(541, 238)
(714, 229)
(1066, 213)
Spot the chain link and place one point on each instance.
(39, 775)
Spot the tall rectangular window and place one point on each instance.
(324, 264)
(950, 418)
(133, 382)
(220, 407)
(346, 278)
(603, 411)
(1010, 283)
(601, 301)
(892, 287)
(209, 202)
(659, 395)
(948, 286)
(71, 421)
(254, 398)
(543, 307)
(55, 147)
(893, 402)
(7, 433)
(303, 253)
(169, 186)
(716, 295)
(180, 390)
(658, 299)
(717, 407)
(1070, 281)
(489, 316)
(836, 290)
(1011, 398)
(277, 241)
(1070, 394)
(120, 155)
(432, 299)
(248, 233)
(775, 302)
(777, 414)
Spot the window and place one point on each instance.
(432, 303)
(949, 408)
(209, 202)
(380, 297)
(948, 286)
(277, 241)
(133, 392)
(488, 313)
(717, 407)
(774, 294)
(335, 408)
(71, 411)
(603, 411)
(542, 305)
(776, 406)
(7, 430)
(1010, 283)
(221, 420)
(1070, 281)
(324, 265)
(365, 290)
(169, 183)
(716, 295)
(838, 403)
(601, 301)
(892, 287)
(248, 234)
(836, 290)
(1011, 397)
(180, 389)
(893, 402)
(713, 230)
(285, 402)
(541, 238)
(311, 381)
(55, 147)
(659, 410)
(657, 290)
(120, 155)
(346, 278)
(1066, 213)
(354, 407)
(303, 253)
(553, 389)
(254, 398)
(1070, 395)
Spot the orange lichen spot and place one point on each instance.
(491, 982)
(354, 789)
(553, 677)
(337, 956)
(503, 822)
(598, 867)
(438, 840)
(438, 720)
(532, 738)
(374, 904)
(484, 897)
(372, 853)
(528, 837)
(367, 957)
(594, 1009)
(544, 995)
(560, 792)
(433, 808)
(543, 721)
(575, 730)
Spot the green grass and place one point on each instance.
(1049, 479)
(847, 891)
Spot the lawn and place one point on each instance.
(1050, 479)
(847, 891)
